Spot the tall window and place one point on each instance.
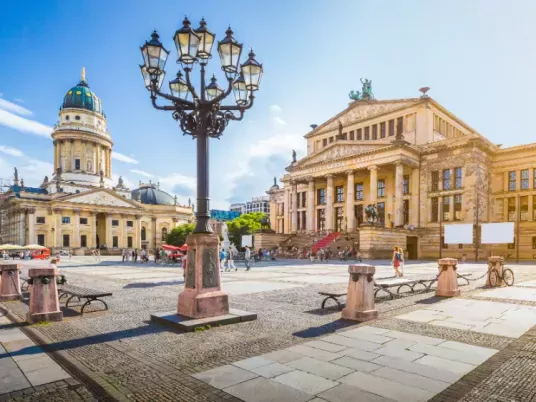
(358, 211)
(66, 219)
(405, 185)
(164, 234)
(446, 208)
(40, 219)
(391, 128)
(524, 208)
(83, 221)
(115, 241)
(458, 207)
(359, 135)
(367, 133)
(41, 239)
(143, 234)
(446, 179)
(115, 222)
(66, 240)
(459, 181)
(352, 135)
(77, 164)
(130, 224)
(381, 213)
(339, 213)
(435, 209)
(359, 191)
(321, 196)
(344, 136)
(512, 181)
(382, 130)
(324, 142)
(525, 179)
(304, 199)
(339, 191)
(129, 241)
(406, 212)
(435, 180)
(298, 218)
(304, 220)
(400, 125)
(83, 241)
(511, 209)
(330, 140)
(321, 220)
(375, 132)
(381, 188)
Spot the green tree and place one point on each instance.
(177, 235)
(244, 225)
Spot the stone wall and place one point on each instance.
(378, 242)
(269, 240)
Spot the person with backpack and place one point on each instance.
(247, 256)
(397, 258)
(222, 259)
(230, 260)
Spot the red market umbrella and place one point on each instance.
(169, 247)
(184, 247)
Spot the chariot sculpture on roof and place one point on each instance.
(366, 91)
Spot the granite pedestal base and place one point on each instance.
(10, 282)
(187, 324)
(44, 303)
(447, 282)
(360, 299)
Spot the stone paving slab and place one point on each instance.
(510, 293)
(266, 390)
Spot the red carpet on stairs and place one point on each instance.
(325, 241)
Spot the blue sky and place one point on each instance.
(478, 57)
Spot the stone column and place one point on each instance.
(286, 211)
(56, 159)
(75, 242)
(414, 204)
(373, 194)
(329, 203)
(93, 230)
(399, 194)
(350, 195)
(137, 237)
(108, 237)
(83, 160)
(155, 234)
(59, 239)
(311, 206)
(31, 226)
(294, 212)
(447, 283)
(360, 300)
(108, 162)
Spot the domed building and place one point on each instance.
(80, 207)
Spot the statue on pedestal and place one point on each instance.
(293, 156)
(370, 212)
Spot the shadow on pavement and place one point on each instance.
(328, 328)
(142, 285)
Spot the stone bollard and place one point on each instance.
(360, 300)
(44, 303)
(496, 262)
(447, 283)
(10, 282)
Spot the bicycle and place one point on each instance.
(507, 276)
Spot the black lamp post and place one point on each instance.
(203, 117)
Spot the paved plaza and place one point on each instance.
(420, 348)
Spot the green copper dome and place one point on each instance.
(81, 97)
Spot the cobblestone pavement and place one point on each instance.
(118, 354)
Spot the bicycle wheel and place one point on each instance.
(493, 277)
(508, 276)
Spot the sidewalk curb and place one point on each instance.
(100, 388)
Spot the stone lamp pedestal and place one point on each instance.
(202, 303)
(360, 300)
(447, 283)
(10, 282)
(202, 296)
(497, 263)
(44, 303)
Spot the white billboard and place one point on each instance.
(497, 233)
(458, 233)
(247, 240)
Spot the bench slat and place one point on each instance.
(83, 292)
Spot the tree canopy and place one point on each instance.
(177, 235)
(243, 225)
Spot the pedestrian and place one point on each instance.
(135, 255)
(401, 252)
(222, 259)
(98, 255)
(247, 256)
(396, 261)
(143, 256)
(230, 260)
(124, 254)
(156, 256)
(70, 254)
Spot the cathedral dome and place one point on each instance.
(81, 97)
(151, 194)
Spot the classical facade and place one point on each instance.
(421, 167)
(80, 207)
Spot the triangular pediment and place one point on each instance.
(335, 151)
(100, 197)
(362, 110)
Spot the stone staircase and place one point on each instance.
(325, 241)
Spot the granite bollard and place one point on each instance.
(44, 303)
(10, 282)
(360, 300)
(496, 262)
(447, 282)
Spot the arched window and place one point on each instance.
(164, 234)
(143, 234)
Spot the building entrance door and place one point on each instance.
(340, 219)
(412, 244)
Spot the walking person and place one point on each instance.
(247, 256)
(230, 260)
(396, 261)
(70, 254)
(222, 259)
(401, 252)
(124, 255)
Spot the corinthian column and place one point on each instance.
(350, 217)
(311, 206)
(399, 194)
(294, 212)
(373, 195)
(329, 203)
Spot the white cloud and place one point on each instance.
(18, 100)
(123, 158)
(11, 151)
(177, 179)
(141, 172)
(276, 109)
(12, 107)
(24, 125)
(279, 120)
(279, 144)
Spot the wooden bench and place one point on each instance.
(90, 295)
(334, 297)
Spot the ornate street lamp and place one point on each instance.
(203, 117)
